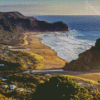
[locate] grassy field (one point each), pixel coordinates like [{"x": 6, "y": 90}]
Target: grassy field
[{"x": 91, "y": 76}]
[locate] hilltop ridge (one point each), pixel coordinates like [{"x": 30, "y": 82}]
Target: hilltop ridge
[{"x": 11, "y": 21}]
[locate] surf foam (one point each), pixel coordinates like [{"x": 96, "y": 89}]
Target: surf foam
[{"x": 67, "y": 45}]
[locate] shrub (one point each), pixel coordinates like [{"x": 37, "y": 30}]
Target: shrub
[
  {"x": 61, "y": 88},
  {"x": 98, "y": 81}
]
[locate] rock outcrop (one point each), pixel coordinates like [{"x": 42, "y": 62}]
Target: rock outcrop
[
  {"x": 15, "y": 21},
  {"x": 88, "y": 60}
]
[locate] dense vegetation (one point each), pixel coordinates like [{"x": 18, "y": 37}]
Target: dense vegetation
[
  {"x": 25, "y": 81},
  {"x": 2, "y": 97},
  {"x": 63, "y": 88},
  {"x": 24, "y": 78},
  {"x": 11, "y": 65},
  {"x": 54, "y": 88}
]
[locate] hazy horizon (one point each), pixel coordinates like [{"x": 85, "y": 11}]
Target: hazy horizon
[{"x": 53, "y": 7}]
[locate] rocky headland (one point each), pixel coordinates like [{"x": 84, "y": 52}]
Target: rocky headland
[
  {"x": 14, "y": 24},
  {"x": 11, "y": 21},
  {"x": 87, "y": 61}
]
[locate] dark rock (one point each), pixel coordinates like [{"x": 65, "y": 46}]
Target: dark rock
[
  {"x": 15, "y": 21},
  {"x": 97, "y": 45},
  {"x": 88, "y": 60}
]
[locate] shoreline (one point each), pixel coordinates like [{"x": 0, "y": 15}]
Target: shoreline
[
  {"x": 47, "y": 45},
  {"x": 51, "y": 60}
]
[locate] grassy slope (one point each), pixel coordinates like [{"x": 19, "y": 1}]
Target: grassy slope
[
  {"x": 92, "y": 76},
  {"x": 35, "y": 61}
]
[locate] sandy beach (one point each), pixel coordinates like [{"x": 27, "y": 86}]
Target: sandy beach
[{"x": 51, "y": 60}]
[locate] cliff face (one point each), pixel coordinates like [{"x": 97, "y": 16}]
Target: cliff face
[
  {"x": 88, "y": 60},
  {"x": 15, "y": 21}
]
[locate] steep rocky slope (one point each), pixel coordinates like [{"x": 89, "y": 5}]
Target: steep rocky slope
[
  {"x": 88, "y": 60},
  {"x": 12, "y": 24},
  {"x": 11, "y": 21}
]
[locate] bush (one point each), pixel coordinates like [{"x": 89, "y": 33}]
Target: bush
[
  {"x": 61, "y": 88},
  {"x": 24, "y": 78},
  {"x": 98, "y": 81}
]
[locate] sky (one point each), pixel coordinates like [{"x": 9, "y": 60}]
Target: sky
[{"x": 52, "y": 7}]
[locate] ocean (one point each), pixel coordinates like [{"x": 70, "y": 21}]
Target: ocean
[{"x": 82, "y": 35}]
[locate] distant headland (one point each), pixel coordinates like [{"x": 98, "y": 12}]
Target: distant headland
[
  {"x": 15, "y": 21},
  {"x": 12, "y": 24}
]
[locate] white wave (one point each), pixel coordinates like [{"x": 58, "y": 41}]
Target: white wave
[{"x": 66, "y": 44}]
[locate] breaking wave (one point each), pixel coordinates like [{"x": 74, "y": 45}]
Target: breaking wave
[{"x": 69, "y": 44}]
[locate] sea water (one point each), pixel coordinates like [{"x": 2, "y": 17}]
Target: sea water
[{"x": 82, "y": 35}]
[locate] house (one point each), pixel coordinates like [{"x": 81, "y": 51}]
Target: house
[
  {"x": 13, "y": 87},
  {"x": 20, "y": 89},
  {"x": 28, "y": 91},
  {"x": 47, "y": 75},
  {"x": 80, "y": 83},
  {"x": 93, "y": 91},
  {"x": 41, "y": 77},
  {"x": 3, "y": 79},
  {"x": 2, "y": 65},
  {"x": 12, "y": 38},
  {"x": 4, "y": 86}
]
